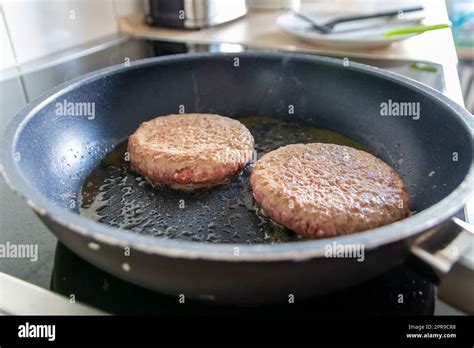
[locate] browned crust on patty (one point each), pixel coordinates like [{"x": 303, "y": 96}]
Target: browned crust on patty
[
  {"x": 190, "y": 150},
  {"x": 326, "y": 190}
]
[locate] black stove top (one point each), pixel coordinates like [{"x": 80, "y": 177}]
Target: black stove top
[{"x": 399, "y": 291}]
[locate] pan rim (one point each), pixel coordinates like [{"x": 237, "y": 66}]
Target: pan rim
[{"x": 292, "y": 251}]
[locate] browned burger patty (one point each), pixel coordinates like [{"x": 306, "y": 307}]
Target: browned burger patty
[
  {"x": 325, "y": 190},
  {"x": 190, "y": 150}
]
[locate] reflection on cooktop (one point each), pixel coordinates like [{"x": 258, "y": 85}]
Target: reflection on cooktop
[{"x": 397, "y": 292}]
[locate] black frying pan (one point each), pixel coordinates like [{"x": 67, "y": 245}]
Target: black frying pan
[{"x": 48, "y": 157}]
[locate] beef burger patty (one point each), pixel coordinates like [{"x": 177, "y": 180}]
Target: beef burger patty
[
  {"x": 326, "y": 190},
  {"x": 190, "y": 150}
]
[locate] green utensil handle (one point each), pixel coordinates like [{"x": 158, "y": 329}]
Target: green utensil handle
[{"x": 416, "y": 29}]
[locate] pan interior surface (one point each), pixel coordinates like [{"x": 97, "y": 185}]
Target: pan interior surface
[
  {"x": 113, "y": 194},
  {"x": 432, "y": 151}
]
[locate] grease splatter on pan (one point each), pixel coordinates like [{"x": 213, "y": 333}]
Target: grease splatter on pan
[{"x": 115, "y": 195}]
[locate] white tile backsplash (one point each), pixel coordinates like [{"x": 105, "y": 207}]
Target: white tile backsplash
[
  {"x": 39, "y": 27},
  {"x": 7, "y": 58}
]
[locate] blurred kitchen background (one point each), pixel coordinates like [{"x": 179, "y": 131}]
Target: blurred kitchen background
[{"x": 45, "y": 43}]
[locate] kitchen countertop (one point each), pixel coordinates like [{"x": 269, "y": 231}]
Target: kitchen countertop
[{"x": 258, "y": 29}]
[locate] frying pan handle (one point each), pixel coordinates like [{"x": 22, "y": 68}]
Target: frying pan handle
[{"x": 448, "y": 253}]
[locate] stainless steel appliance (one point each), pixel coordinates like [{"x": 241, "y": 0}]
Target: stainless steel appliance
[{"x": 193, "y": 14}]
